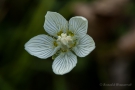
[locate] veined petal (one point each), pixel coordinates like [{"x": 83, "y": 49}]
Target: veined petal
[
  {"x": 78, "y": 25},
  {"x": 41, "y": 46},
  {"x": 64, "y": 63},
  {"x": 84, "y": 46},
  {"x": 54, "y": 23}
]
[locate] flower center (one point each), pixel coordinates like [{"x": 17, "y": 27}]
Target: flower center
[{"x": 64, "y": 39}]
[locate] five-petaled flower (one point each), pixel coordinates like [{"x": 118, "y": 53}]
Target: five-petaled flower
[{"x": 65, "y": 39}]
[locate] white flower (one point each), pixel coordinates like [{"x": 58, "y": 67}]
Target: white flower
[{"x": 65, "y": 39}]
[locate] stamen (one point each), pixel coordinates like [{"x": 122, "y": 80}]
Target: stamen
[
  {"x": 64, "y": 39},
  {"x": 55, "y": 44}
]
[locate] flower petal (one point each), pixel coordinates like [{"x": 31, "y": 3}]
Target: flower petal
[
  {"x": 78, "y": 25},
  {"x": 64, "y": 63},
  {"x": 41, "y": 46},
  {"x": 84, "y": 46},
  {"x": 54, "y": 23}
]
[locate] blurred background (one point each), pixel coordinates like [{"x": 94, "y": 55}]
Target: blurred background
[{"x": 111, "y": 66}]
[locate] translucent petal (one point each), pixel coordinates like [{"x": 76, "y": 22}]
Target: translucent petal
[
  {"x": 54, "y": 23},
  {"x": 64, "y": 63},
  {"x": 78, "y": 25},
  {"x": 84, "y": 46},
  {"x": 41, "y": 46}
]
